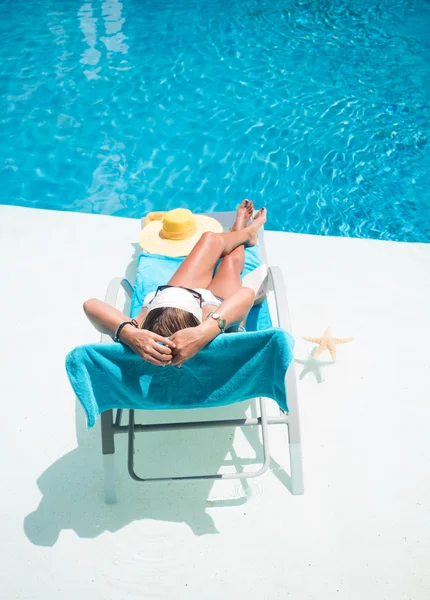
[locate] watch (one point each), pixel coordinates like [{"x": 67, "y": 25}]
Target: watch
[{"x": 221, "y": 322}]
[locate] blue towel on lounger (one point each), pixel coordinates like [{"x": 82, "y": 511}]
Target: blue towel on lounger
[
  {"x": 232, "y": 368},
  {"x": 155, "y": 269}
]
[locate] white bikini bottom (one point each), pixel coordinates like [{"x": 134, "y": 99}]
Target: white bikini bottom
[{"x": 208, "y": 298}]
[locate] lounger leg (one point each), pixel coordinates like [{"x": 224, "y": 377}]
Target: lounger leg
[
  {"x": 297, "y": 488},
  {"x": 294, "y": 439},
  {"x": 108, "y": 449}
]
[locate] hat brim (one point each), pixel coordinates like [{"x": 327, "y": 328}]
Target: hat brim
[{"x": 151, "y": 240}]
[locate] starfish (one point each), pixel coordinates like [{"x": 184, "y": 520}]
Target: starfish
[{"x": 327, "y": 342}]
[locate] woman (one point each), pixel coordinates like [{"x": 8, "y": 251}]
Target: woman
[{"x": 179, "y": 319}]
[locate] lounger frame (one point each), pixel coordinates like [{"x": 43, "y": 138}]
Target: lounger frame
[{"x": 111, "y": 421}]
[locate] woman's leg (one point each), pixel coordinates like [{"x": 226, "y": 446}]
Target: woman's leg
[
  {"x": 227, "y": 278},
  {"x": 197, "y": 269}
]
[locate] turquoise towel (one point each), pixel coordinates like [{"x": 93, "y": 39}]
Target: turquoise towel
[
  {"x": 232, "y": 368},
  {"x": 155, "y": 269}
]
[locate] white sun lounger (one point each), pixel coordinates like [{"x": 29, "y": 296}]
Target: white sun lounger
[{"x": 111, "y": 424}]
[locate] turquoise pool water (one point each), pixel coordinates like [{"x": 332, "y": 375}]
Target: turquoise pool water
[{"x": 319, "y": 110}]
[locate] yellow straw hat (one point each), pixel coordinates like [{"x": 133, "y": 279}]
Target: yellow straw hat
[{"x": 176, "y": 232}]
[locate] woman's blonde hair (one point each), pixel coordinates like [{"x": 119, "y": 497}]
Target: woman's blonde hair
[{"x": 167, "y": 321}]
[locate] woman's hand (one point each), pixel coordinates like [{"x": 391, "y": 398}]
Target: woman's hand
[
  {"x": 188, "y": 342},
  {"x": 145, "y": 344}
]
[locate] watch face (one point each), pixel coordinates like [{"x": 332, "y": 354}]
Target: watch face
[{"x": 215, "y": 316}]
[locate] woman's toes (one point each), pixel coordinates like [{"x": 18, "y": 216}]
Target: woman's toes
[
  {"x": 260, "y": 218},
  {"x": 249, "y": 206},
  {"x": 243, "y": 214}
]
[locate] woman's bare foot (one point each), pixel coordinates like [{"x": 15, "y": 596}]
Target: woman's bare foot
[
  {"x": 259, "y": 220},
  {"x": 245, "y": 211}
]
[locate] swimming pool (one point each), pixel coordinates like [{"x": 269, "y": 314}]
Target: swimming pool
[{"x": 319, "y": 110}]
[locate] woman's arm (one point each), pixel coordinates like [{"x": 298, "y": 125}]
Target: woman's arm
[
  {"x": 106, "y": 319},
  {"x": 191, "y": 340}
]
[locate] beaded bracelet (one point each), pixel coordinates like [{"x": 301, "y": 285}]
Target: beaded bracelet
[{"x": 120, "y": 327}]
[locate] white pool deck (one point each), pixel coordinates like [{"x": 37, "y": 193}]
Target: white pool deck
[{"x": 360, "y": 532}]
